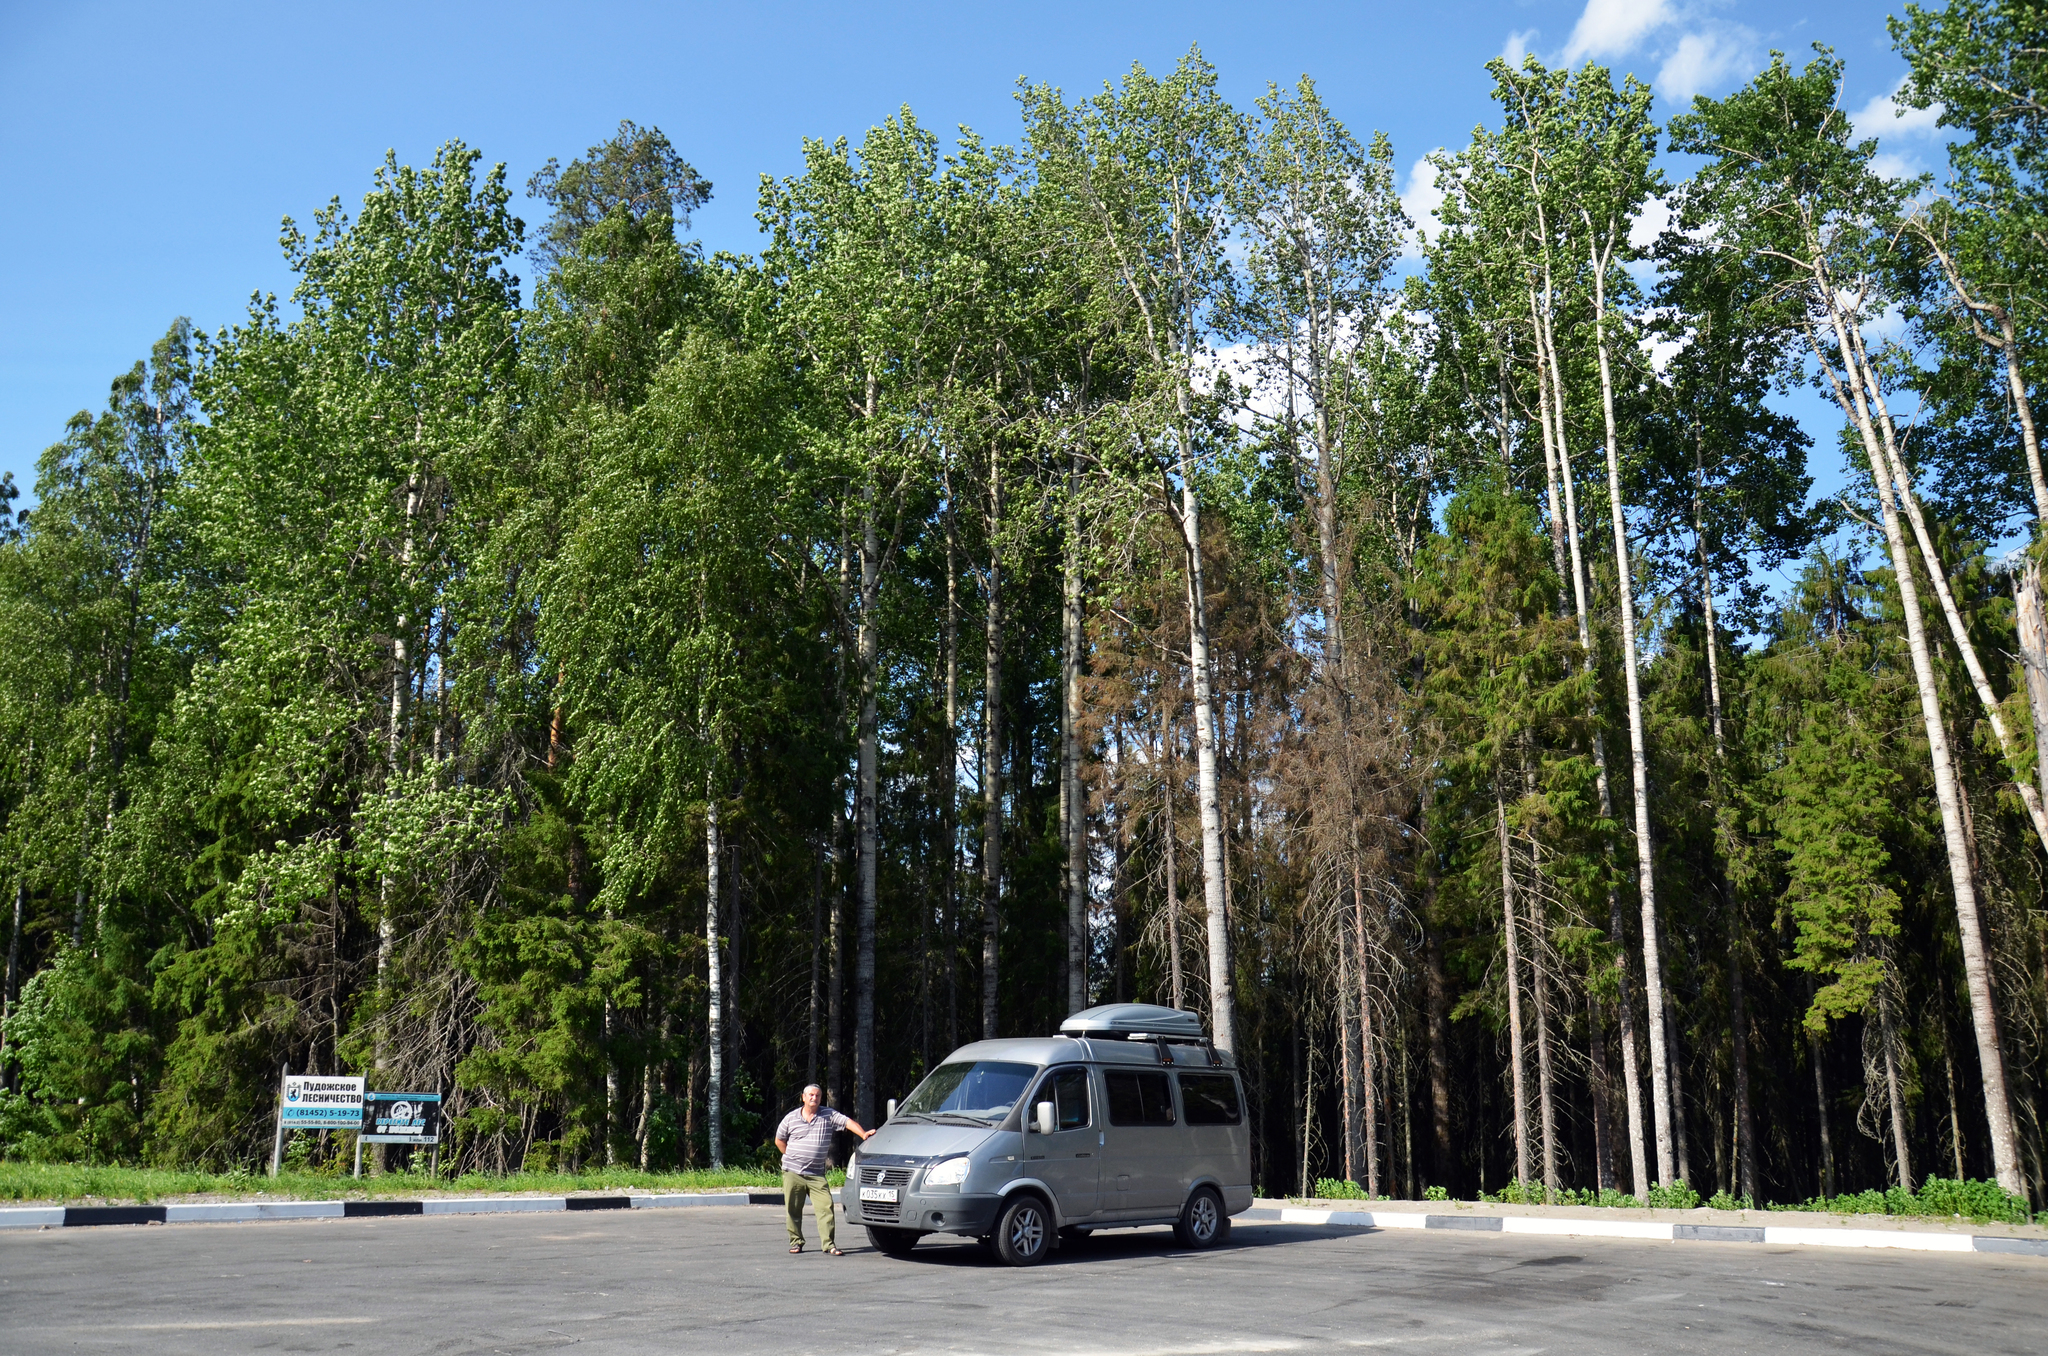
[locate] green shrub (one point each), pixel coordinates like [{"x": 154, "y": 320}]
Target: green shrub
[
  {"x": 1435, "y": 1194},
  {"x": 1938, "y": 1197},
  {"x": 1336, "y": 1189},
  {"x": 1674, "y": 1195}
]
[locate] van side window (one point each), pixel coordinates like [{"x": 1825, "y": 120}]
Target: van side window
[
  {"x": 1138, "y": 1097},
  {"x": 1067, "y": 1090},
  {"x": 1210, "y": 1099}
]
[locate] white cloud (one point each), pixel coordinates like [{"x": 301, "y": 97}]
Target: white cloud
[
  {"x": 1614, "y": 28},
  {"x": 1701, "y": 61},
  {"x": 1649, "y": 223},
  {"x": 1419, "y": 199},
  {"x": 1884, "y": 116},
  {"x": 1517, "y": 47}
]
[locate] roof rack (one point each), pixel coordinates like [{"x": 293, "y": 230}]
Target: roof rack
[{"x": 1137, "y": 1021}]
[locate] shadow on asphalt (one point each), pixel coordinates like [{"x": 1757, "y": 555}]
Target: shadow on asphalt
[{"x": 1117, "y": 1245}]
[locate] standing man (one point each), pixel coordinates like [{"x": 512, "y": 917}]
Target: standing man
[{"x": 805, "y": 1139}]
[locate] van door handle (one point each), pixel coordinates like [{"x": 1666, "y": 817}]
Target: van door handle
[{"x": 1084, "y": 1154}]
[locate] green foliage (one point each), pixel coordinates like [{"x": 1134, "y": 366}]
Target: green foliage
[
  {"x": 56, "y": 1182},
  {"x": 1435, "y": 1193},
  {"x": 1338, "y": 1189},
  {"x": 1938, "y": 1197}
]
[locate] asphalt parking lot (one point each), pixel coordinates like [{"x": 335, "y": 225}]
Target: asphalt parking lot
[{"x": 719, "y": 1280}]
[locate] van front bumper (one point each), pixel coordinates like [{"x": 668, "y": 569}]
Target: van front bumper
[{"x": 939, "y": 1212}]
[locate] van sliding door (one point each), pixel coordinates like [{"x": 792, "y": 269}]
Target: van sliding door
[{"x": 1143, "y": 1151}]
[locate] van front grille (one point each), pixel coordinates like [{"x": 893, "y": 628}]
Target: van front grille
[
  {"x": 884, "y": 1212},
  {"x": 885, "y": 1177}
]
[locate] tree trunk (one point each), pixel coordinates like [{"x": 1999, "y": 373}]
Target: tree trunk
[
  {"x": 1639, "y": 764},
  {"x": 1222, "y": 1006},
  {"x": 1969, "y": 927},
  {"x": 1516, "y": 1057},
  {"x": 1561, "y": 480},
  {"x": 817, "y": 949},
  {"x": 992, "y": 762},
  {"x": 1895, "y": 1094},
  {"x": 612, "y": 1115},
  {"x": 1955, "y": 1115},
  {"x": 1603, "y": 1095},
  {"x": 1074, "y": 798},
  {"x": 2033, "y": 638},
  {"x": 714, "y": 983},
  {"x": 1347, "y": 1054},
  {"x": 1681, "y": 1145},
  {"x": 1175, "y": 984},
  {"x": 1368, "y": 1062},
  {"x": 1544, "y": 1080},
  {"x": 949, "y": 918},
  {"x": 1738, "y": 1015},
  {"x": 867, "y": 804},
  {"x": 1436, "y": 988}
]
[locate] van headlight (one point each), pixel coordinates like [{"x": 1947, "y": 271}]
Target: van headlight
[{"x": 951, "y": 1172}]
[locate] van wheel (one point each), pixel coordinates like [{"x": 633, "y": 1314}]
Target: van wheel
[
  {"x": 1024, "y": 1232},
  {"x": 895, "y": 1242},
  {"x": 1202, "y": 1222}
]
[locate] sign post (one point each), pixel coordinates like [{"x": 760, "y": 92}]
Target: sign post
[
  {"x": 315, "y": 1102},
  {"x": 399, "y": 1118},
  {"x": 284, "y": 1072}
]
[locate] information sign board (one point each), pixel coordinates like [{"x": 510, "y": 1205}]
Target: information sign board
[
  {"x": 401, "y": 1118},
  {"x": 321, "y": 1102}
]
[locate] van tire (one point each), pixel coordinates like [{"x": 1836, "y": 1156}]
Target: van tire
[
  {"x": 1024, "y": 1231},
  {"x": 895, "y": 1242},
  {"x": 1202, "y": 1223}
]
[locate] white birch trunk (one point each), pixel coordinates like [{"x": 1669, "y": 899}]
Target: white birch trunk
[
  {"x": 714, "y": 983},
  {"x": 1639, "y": 764},
  {"x": 1074, "y": 799},
  {"x": 1969, "y": 926}
]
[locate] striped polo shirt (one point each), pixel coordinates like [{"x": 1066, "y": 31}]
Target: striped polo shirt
[{"x": 809, "y": 1141}]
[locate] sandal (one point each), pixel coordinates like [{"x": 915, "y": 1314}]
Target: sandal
[
  {"x": 834, "y": 1252},
  {"x": 795, "y": 1250}
]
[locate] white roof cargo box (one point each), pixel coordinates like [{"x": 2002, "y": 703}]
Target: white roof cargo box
[{"x": 1123, "y": 1021}]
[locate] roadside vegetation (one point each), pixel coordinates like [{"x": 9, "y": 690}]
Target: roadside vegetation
[
  {"x": 24, "y": 1183},
  {"x": 1937, "y": 1198}
]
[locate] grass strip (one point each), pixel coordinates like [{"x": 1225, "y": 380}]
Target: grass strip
[{"x": 55, "y": 1183}]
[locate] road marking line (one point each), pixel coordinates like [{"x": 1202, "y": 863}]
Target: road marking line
[{"x": 245, "y": 1323}]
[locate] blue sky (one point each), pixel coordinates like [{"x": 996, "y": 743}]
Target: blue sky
[{"x": 150, "y": 150}]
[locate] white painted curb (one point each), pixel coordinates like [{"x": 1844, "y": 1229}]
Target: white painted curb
[
  {"x": 1871, "y": 1238},
  {"x": 33, "y": 1217},
  {"x": 1917, "y": 1241},
  {"x": 1583, "y": 1228},
  {"x": 236, "y": 1214}
]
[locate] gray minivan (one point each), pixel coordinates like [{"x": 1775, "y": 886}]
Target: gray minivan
[{"x": 1128, "y": 1117}]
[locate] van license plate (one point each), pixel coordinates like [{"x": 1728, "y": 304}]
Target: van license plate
[{"x": 878, "y": 1194}]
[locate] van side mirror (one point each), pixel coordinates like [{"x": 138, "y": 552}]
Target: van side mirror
[
  {"x": 1044, "y": 1110},
  {"x": 889, "y": 1112}
]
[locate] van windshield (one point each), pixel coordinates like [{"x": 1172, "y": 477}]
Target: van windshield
[{"x": 983, "y": 1090}]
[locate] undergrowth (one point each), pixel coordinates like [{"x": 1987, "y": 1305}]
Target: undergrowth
[
  {"x": 1938, "y": 1198},
  {"x": 75, "y": 1182}
]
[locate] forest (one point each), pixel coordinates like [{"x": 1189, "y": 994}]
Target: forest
[{"x": 1134, "y": 562}]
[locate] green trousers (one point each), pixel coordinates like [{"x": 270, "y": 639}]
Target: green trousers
[{"x": 795, "y": 1186}]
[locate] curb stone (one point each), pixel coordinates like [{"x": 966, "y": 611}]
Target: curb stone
[
  {"x": 78, "y": 1216},
  {"x": 1693, "y": 1233}
]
